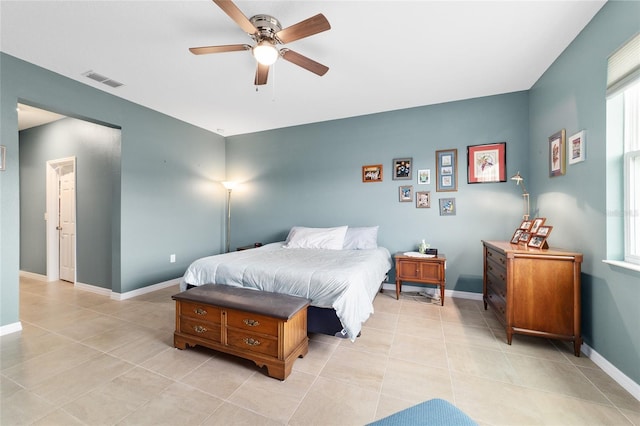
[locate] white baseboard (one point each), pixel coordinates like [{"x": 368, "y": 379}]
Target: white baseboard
[
  {"x": 447, "y": 293},
  {"x": 622, "y": 379},
  {"x": 10, "y": 328},
  {"x": 144, "y": 290},
  {"x": 93, "y": 289},
  {"x": 33, "y": 276}
]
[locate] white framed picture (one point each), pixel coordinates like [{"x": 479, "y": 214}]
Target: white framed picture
[
  {"x": 576, "y": 147},
  {"x": 424, "y": 177}
]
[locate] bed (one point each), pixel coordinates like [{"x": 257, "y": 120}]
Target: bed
[{"x": 340, "y": 280}]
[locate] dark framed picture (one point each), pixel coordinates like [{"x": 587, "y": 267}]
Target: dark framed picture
[
  {"x": 557, "y": 154},
  {"x": 544, "y": 231},
  {"x": 487, "y": 163},
  {"x": 525, "y": 236},
  {"x": 372, "y": 173},
  {"x": 537, "y": 223},
  {"x": 405, "y": 193},
  {"x": 516, "y": 236},
  {"x": 423, "y": 199},
  {"x": 447, "y": 170},
  {"x": 447, "y": 206},
  {"x": 536, "y": 241},
  {"x": 525, "y": 225},
  {"x": 402, "y": 168}
]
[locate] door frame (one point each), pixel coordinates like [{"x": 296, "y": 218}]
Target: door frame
[{"x": 51, "y": 216}]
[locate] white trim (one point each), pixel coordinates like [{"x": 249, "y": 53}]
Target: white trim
[
  {"x": 93, "y": 288},
  {"x": 447, "y": 293},
  {"x": 622, "y": 379},
  {"x": 623, "y": 264},
  {"x": 144, "y": 290},
  {"x": 10, "y": 328},
  {"x": 33, "y": 276}
]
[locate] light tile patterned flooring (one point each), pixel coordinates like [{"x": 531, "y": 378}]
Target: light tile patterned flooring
[{"x": 83, "y": 359}]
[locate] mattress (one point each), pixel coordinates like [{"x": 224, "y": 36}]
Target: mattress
[{"x": 344, "y": 280}]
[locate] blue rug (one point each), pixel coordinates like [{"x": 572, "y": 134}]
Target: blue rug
[{"x": 432, "y": 412}]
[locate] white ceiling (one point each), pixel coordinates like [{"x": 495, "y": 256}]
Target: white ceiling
[{"x": 382, "y": 55}]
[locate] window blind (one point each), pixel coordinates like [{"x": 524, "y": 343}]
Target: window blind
[{"x": 623, "y": 66}]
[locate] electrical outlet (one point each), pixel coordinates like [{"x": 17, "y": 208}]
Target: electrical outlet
[{"x": 172, "y": 258}]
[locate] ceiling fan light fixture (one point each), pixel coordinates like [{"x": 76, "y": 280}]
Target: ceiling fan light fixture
[{"x": 265, "y": 53}]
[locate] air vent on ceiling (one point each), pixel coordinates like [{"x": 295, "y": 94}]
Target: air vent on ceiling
[{"x": 102, "y": 79}]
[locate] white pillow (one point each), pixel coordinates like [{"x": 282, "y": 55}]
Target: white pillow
[
  {"x": 363, "y": 238},
  {"x": 316, "y": 238}
]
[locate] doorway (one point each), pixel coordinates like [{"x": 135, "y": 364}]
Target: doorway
[{"x": 61, "y": 219}]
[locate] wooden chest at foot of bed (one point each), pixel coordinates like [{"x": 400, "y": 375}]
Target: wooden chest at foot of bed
[{"x": 267, "y": 328}]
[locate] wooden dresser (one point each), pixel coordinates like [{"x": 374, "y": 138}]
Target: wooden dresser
[
  {"x": 426, "y": 270},
  {"x": 534, "y": 291},
  {"x": 268, "y": 328}
]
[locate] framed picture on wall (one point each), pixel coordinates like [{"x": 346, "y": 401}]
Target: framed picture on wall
[
  {"x": 487, "y": 163},
  {"x": 447, "y": 206},
  {"x": 423, "y": 199},
  {"x": 557, "y": 155},
  {"x": 405, "y": 193},
  {"x": 402, "y": 168},
  {"x": 424, "y": 177},
  {"x": 372, "y": 173},
  {"x": 3, "y": 154},
  {"x": 576, "y": 146},
  {"x": 447, "y": 170}
]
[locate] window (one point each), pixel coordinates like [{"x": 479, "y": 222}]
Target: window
[{"x": 623, "y": 152}]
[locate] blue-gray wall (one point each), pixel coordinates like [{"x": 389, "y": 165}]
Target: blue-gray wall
[
  {"x": 311, "y": 175},
  {"x": 169, "y": 200},
  {"x": 97, "y": 152},
  {"x": 571, "y": 95}
]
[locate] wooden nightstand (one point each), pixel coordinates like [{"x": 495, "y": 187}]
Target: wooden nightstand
[{"x": 426, "y": 270}]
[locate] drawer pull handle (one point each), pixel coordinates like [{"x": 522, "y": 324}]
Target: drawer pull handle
[
  {"x": 199, "y": 329},
  {"x": 250, "y": 341},
  {"x": 200, "y": 311},
  {"x": 251, "y": 323}
]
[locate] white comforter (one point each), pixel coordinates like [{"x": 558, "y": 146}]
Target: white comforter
[{"x": 345, "y": 280}]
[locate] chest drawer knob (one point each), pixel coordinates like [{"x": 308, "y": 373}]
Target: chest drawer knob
[
  {"x": 200, "y": 311},
  {"x": 251, "y": 323},
  {"x": 250, "y": 341},
  {"x": 199, "y": 329}
]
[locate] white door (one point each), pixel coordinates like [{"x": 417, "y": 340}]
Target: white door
[{"x": 67, "y": 224}]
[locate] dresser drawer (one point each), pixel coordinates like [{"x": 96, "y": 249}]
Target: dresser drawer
[
  {"x": 200, "y": 312},
  {"x": 497, "y": 285},
  {"x": 253, "y": 342},
  {"x": 205, "y": 330},
  {"x": 496, "y": 258},
  {"x": 498, "y": 303},
  {"x": 253, "y": 323}
]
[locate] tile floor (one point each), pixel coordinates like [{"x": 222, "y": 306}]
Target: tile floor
[{"x": 83, "y": 359}]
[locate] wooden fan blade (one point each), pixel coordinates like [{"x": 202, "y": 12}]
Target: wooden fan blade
[
  {"x": 219, "y": 49},
  {"x": 236, "y": 14},
  {"x": 262, "y": 73},
  {"x": 308, "y": 27},
  {"x": 304, "y": 62}
]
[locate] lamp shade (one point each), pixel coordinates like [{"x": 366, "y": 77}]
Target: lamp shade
[
  {"x": 229, "y": 184},
  {"x": 265, "y": 53}
]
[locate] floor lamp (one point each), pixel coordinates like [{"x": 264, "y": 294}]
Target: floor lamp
[
  {"x": 229, "y": 186},
  {"x": 525, "y": 195}
]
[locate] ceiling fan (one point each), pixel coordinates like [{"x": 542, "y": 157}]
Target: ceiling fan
[{"x": 266, "y": 32}]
